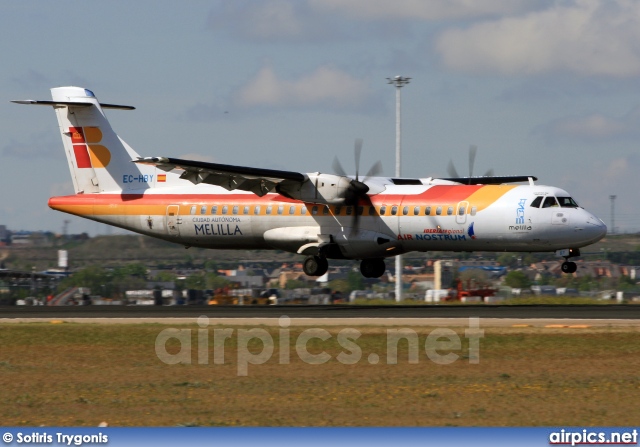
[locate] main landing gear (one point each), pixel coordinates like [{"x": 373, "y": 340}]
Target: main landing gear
[
  {"x": 569, "y": 266},
  {"x": 315, "y": 266},
  {"x": 318, "y": 266}
]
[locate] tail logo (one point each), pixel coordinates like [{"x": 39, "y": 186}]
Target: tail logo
[{"x": 89, "y": 154}]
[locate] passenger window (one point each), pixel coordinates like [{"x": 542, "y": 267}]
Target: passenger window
[
  {"x": 337, "y": 210},
  {"x": 292, "y": 210},
  {"x": 203, "y": 209},
  {"x": 269, "y": 209},
  {"x": 325, "y": 210},
  {"x": 280, "y": 209},
  {"x": 416, "y": 210},
  {"x": 536, "y": 202},
  {"x": 193, "y": 209},
  {"x": 225, "y": 209},
  {"x": 405, "y": 210},
  {"x": 461, "y": 211},
  {"x": 394, "y": 210},
  {"x": 474, "y": 209},
  {"x": 314, "y": 210},
  {"x": 372, "y": 211},
  {"x": 360, "y": 210},
  {"x": 214, "y": 209},
  {"x": 245, "y": 210},
  {"x": 427, "y": 211},
  {"x": 303, "y": 210},
  {"x": 383, "y": 210},
  {"x": 449, "y": 211},
  {"x": 438, "y": 211},
  {"x": 235, "y": 209},
  {"x": 549, "y": 202},
  {"x": 348, "y": 210},
  {"x": 256, "y": 210}
]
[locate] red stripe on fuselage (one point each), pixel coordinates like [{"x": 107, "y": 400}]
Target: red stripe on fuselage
[{"x": 435, "y": 194}]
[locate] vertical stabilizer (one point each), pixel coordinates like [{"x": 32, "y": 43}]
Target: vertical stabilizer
[{"x": 99, "y": 160}]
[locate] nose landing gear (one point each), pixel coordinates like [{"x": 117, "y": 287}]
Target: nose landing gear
[{"x": 569, "y": 266}]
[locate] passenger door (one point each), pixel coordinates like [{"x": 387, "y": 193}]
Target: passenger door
[{"x": 173, "y": 220}]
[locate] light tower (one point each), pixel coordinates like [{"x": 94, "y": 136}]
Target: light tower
[
  {"x": 399, "y": 82},
  {"x": 613, "y": 221}
]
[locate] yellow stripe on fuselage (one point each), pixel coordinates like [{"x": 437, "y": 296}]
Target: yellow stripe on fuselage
[{"x": 488, "y": 195}]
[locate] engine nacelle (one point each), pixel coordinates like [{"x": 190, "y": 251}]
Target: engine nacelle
[{"x": 318, "y": 188}]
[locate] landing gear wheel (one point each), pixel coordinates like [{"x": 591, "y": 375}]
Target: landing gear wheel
[
  {"x": 372, "y": 268},
  {"x": 315, "y": 266},
  {"x": 569, "y": 267}
]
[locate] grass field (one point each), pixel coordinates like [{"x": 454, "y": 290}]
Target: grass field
[{"x": 83, "y": 374}]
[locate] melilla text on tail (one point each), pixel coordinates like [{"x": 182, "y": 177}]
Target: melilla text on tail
[{"x": 319, "y": 215}]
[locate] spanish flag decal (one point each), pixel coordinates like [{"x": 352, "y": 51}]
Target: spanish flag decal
[{"x": 162, "y": 177}]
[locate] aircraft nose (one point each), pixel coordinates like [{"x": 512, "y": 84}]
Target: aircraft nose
[{"x": 595, "y": 228}]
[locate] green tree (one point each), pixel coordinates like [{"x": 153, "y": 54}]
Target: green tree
[
  {"x": 517, "y": 279},
  {"x": 165, "y": 276},
  {"x": 196, "y": 281},
  {"x": 214, "y": 281},
  {"x": 295, "y": 284},
  {"x": 355, "y": 280},
  {"x": 340, "y": 285},
  {"x": 94, "y": 277}
]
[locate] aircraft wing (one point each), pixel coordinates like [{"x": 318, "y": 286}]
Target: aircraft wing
[
  {"x": 491, "y": 180},
  {"x": 259, "y": 181}
]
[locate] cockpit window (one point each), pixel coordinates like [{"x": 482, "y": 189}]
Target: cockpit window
[
  {"x": 549, "y": 201},
  {"x": 537, "y": 201},
  {"x": 567, "y": 202}
]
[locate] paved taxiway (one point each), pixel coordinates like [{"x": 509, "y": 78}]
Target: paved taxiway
[{"x": 456, "y": 315}]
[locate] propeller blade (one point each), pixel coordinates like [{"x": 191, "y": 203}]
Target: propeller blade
[
  {"x": 451, "y": 169},
  {"x": 357, "y": 151},
  {"x": 473, "y": 149},
  {"x": 337, "y": 167},
  {"x": 375, "y": 170}
]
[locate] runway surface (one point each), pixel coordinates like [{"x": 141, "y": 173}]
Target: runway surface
[{"x": 580, "y": 312}]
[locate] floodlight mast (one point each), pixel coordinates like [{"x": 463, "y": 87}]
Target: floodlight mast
[{"x": 399, "y": 82}]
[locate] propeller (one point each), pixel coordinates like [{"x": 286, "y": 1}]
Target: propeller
[
  {"x": 473, "y": 149},
  {"x": 358, "y": 189}
]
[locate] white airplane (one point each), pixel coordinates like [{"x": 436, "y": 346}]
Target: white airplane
[{"x": 322, "y": 216}]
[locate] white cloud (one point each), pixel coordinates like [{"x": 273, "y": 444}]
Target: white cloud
[
  {"x": 421, "y": 9},
  {"x": 593, "y": 128},
  {"x": 269, "y": 20},
  {"x": 586, "y": 37},
  {"x": 324, "y": 87}
]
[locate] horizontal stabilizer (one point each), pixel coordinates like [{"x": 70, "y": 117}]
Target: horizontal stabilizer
[
  {"x": 72, "y": 103},
  {"x": 491, "y": 180}
]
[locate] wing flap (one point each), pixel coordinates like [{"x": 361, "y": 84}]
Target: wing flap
[{"x": 259, "y": 181}]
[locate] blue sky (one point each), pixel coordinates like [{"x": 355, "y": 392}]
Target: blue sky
[{"x": 545, "y": 88}]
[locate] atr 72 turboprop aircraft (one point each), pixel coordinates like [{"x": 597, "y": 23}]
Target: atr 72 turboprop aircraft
[{"x": 322, "y": 216}]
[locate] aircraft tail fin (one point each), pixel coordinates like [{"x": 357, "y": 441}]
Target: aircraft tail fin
[{"x": 99, "y": 160}]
